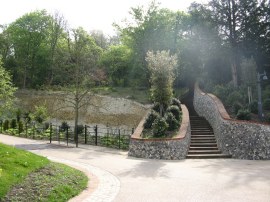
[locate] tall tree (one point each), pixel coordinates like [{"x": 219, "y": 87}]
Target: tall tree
[
  {"x": 28, "y": 35},
  {"x": 151, "y": 29},
  {"x": 83, "y": 55},
  {"x": 161, "y": 66}
]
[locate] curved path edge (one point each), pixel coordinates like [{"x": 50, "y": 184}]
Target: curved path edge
[{"x": 103, "y": 185}]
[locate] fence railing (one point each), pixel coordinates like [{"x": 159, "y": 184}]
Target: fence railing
[{"x": 117, "y": 138}]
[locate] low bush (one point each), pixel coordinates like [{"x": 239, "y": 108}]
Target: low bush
[
  {"x": 80, "y": 129},
  {"x": 20, "y": 126},
  {"x": 234, "y": 97},
  {"x": 176, "y": 102},
  {"x": 243, "y": 114},
  {"x": 150, "y": 119},
  {"x": 159, "y": 127},
  {"x": 13, "y": 123},
  {"x": 267, "y": 117},
  {"x": 64, "y": 126},
  {"x": 175, "y": 111},
  {"x": 173, "y": 123},
  {"x": 253, "y": 107},
  {"x": 266, "y": 104},
  {"x": 236, "y": 107},
  {"x": 6, "y": 125}
]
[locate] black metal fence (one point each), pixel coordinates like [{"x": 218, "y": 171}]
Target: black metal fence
[{"x": 117, "y": 138}]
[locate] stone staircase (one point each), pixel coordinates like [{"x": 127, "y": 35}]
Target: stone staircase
[{"x": 203, "y": 142}]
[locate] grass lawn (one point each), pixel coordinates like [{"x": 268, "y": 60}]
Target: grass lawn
[{"x": 28, "y": 177}]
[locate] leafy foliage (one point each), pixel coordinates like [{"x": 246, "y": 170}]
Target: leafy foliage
[
  {"x": 243, "y": 114},
  {"x": 175, "y": 111},
  {"x": 159, "y": 127},
  {"x": 150, "y": 119},
  {"x": 161, "y": 66},
  {"x": 173, "y": 123},
  {"x": 266, "y": 104},
  {"x": 6, "y": 89}
]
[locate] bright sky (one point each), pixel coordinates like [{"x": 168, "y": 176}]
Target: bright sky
[{"x": 89, "y": 14}]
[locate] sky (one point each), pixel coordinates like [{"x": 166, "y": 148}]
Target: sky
[{"x": 89, "y": 14}]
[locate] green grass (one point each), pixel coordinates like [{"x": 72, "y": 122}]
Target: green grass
[
  {"x": 28, "y": 177},
  {"x": 15, "y": 165}
]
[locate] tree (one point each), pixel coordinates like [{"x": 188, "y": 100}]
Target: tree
[
  {"x": 6, "y": 89},
  {"x": 57, "y": 25},
  {"x": 117, "y": 62},
  {"x": 29, "y": 48},
  {"x": 151, "y": 29},
  {"x": 161, "y": 66},
  {"x": 82, "y": 58},
  {"x": 243, "y": 25}
]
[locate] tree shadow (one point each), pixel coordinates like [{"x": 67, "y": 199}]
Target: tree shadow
[
  {"x": 147, "y": 168},
  {"x": 237, "y": 172}
]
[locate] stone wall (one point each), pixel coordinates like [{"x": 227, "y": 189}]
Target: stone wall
[
  {"x": 241, "y": 139},
  {"x": 162, "y": 148}
]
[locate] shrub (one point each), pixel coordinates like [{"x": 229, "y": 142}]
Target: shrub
[
  {"x": 27, "y": 117},
  {"x": 20, "y": 126},
  {"x": 173, "y": 124},
  {"x": 253, "y": 107},
  {"x": 222, "y": 92},
  {"x": 234, "y": 97},
  {"x": 159, "y": 127},
  {"x": 64, "y": 126},
  {"x": 266, "y": 104},
  {"x": 6, "y": 125},
  {"x": 13, "y": 123},
  {"x": 243, "y": 114},
  {"x": 236, "y": 107},
  {"x": 156, "y": 107},
  {"x": 46, "y": 125},
  {"x": 40, "y": 114},
  {"x": 175, "y": 111},
  {"x": 80, "y": 129},
  {"x": 150, "y": 119},
  {"x": 176, "y": 102},
  {"x": 267, "y": 118}
]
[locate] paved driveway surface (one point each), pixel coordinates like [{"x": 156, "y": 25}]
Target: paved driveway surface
[{"x": 158, "y": 180}]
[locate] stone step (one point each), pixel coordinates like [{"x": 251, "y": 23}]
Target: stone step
[
  {"x": 203, "y": 144},
  {"x": 207, "y": 156},
  {"x": 203, "y": 141},
  {"x": 203, "y": 148},
  {"x": 201, "y": 132},
  {"x": 204, "y": 152},
  {"x": 203, "y": 138}
]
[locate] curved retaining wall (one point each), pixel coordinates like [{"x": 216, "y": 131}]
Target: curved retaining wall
[
  {"x": 241, "y": 139},
  {"x": 162, "y": 148}
]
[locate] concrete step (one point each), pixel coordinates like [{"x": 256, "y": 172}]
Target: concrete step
[{"x": 203, "y": 141}]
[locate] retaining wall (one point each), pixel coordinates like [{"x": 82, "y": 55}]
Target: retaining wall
[
  {"x": 241, "y": 139},
  {"x": 162, "y": 148}
]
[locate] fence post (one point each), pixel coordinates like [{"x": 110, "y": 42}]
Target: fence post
[
  {"x": 96, "y": 131},
  {"x": 58, "y": 134},
  {"x": 50, "y": 132},
  {"x": 34, "y": 130},
  {"x": 67, "y": 135},
  {"x": 26, "y": 127},
  {"x": 1, "y": 125},
  {"x": 85, "y": 134},
  {"x": 119, "y": 137}
]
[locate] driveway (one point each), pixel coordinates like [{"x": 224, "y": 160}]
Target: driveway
[{"x": 132, "y": 179}]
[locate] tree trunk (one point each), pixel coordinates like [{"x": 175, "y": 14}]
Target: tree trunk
[
  {"x": 234, "y": 74},
  {"x": 76, "y": 138}
]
